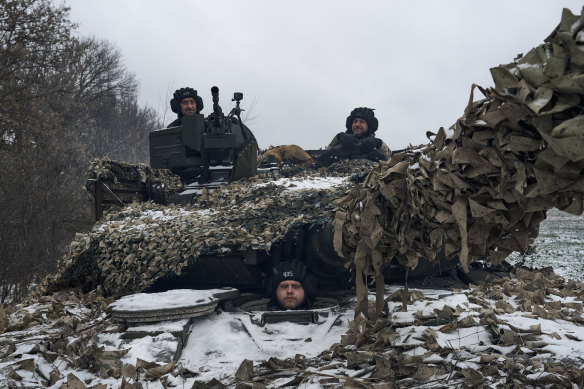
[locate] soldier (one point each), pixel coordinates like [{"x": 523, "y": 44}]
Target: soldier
[
  {"x": 185, "y": 102},
  {"x": 293, "y": 288},
  {"x": 358, "y": 141}
]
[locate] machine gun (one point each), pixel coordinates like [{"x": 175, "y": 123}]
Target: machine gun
[
  {"x": 207, "y": 152},
  {"x": 204, "y": 152},
  {"x": 217, "y": 111}
]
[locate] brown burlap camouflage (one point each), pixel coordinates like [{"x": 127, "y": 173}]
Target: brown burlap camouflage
[{"x": 480, "y": 189}]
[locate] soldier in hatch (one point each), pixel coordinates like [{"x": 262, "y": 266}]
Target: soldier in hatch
[
  {"x": 185, "y": 102},
  {"x": 293, "y": 288},
  {"x": 358, "y": 141}
]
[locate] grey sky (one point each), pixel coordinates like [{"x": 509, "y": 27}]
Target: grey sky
[{"x": 306, "y": 64}]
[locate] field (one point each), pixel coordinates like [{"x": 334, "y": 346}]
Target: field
[{"x": 560, "y": 244}]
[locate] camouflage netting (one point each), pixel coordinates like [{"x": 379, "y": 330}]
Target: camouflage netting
[
  {"x": 388, "y": 353},
  {"x": 162, "y": 181},
  {"x": 131, "y": 248},
  {"x": 481, "y": 189},
  {"x": 509, "y": 333},
  {"x": 511, "y": 157}
]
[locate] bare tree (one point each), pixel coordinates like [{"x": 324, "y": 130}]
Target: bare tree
[{"x": 63, "y": 102}]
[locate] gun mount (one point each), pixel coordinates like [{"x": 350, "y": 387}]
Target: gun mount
[{"x": 207, "y": 152}]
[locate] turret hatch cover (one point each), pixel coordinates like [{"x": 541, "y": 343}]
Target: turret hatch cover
[{"x": 170, "y": 305}]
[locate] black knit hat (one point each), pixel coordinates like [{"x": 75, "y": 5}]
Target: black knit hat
[
  {"x": 295, "y": 271},
  {"x": 183, "y": 93},
  {"x": 366, "y": 114}
]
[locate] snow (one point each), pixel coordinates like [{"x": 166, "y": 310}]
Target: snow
[
  {"x": 9, "y": 136},
  {"x": 560, "y": 244},
  {"x": 562, "y": 348},
  {"x": 464, "y": 338},
  {"x": 540, "y": 102},
  {"x": 238, "y": 338},
  {"x": 191, "y": 191},
  {"x": 151, "y": 348},
  {"x": 149, "y": 219},
  {"x": 166, "y": 300},
  {"x": 295, "y": 183},
  {"x": 308, "y": 183},
  {"x": 170, "y": 326},
  {"x": 218, "y": 343},
  {"x": 526, "y": 65}
]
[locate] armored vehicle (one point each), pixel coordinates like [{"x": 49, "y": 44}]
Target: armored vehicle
[
  {"x": 203, "y": 155},
  {"x": 479, "y": 189}
]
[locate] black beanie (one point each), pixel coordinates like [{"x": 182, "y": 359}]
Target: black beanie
[
  {"x": 295, "y": 271},
  {"x": 183, "y": 93},
  {"x": 366, "y": 114}
]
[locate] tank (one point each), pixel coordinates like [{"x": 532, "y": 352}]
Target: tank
[
  {"x": 199, "y": 165},
  {"x": 483, "y": 187}
]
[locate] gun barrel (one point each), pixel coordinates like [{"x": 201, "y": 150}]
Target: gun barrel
[{"x": 217, "y": 111}]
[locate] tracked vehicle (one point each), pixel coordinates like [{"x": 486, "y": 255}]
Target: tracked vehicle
[
  {"x": 208, "y": 153},
  {"x": 486, "y": 186}
]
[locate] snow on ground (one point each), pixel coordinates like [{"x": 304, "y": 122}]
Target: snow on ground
[{"x": 560, "y": 244}]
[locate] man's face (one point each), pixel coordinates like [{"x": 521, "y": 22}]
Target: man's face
[
  {"x": 290, "y": 294},
  {"x": 188, "y": 106},
  {"x": 359, "y": 126}
]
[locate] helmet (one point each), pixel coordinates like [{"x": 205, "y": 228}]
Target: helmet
[
  {"x": 183, "y": 93},
  {"x": 366, "y": 114}
]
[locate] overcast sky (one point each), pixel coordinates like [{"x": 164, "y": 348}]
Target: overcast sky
[{"x": 303, "y": 65}]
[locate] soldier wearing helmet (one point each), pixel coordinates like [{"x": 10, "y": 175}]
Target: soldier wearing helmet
[
  {"x": 359, "y": 138},
  {"x": 185, "y": 102}
]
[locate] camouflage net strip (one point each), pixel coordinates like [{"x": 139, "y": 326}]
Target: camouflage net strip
[{"x": 483, "y": 187}]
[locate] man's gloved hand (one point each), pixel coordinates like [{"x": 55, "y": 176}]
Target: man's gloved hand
[
  {"x": 346, "y": 140},
  {"x": 327, "y": 158},
  {"x": 369, "y": 143},
  {"x": 375, "y": 155}
]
